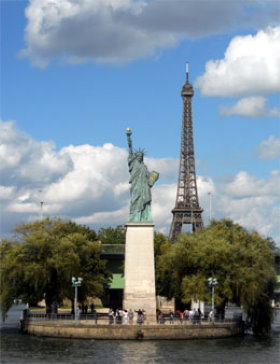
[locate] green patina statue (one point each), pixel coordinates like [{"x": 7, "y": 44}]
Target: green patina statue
[{"x": 141, "y": 181}]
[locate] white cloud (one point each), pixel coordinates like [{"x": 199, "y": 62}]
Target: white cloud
[
  {"x": 255, "y": 213},
  {"x": 251, "y": 65},
  {"x": 100, "y": 30},
  {"x": 269, "y": 149},
  {"x": 6, "y": 192},
  {"x": 167, "y": 167},
  {"x": 97, "y": 173},
  {"x": 87, "y": 183},
  {"x": 124, "y": 30},
  {"x": 107, "y": 218},
  {"x": 163, "y": 202},
  {"x": 252, "y": 202},
  {"x": 24, "y": 159},
  {"x": 92, "y": 187},
  {"x": 253, "y": 106},
  {"x": 246, "y": 186}
]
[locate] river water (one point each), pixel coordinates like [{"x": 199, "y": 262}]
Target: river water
[{"x": 17, "y": 348}]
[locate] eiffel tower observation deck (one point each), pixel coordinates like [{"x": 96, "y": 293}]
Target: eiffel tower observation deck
[{"x": 187, "y": 209}]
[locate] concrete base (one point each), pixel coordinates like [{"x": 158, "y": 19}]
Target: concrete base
[
  {"x": 139, "y": 288},
  {"x": 125, "y": 332}
]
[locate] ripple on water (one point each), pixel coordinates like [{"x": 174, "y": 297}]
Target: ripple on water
[{"x": 25, "y": 349}]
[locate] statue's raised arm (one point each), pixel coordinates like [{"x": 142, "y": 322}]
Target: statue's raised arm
[
  {"x": 141, "y": 182},
  {"x": 129, "y": 141}
]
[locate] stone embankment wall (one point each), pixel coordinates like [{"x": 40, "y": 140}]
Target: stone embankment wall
[
  {"x": 126, "y": 332},
  {"x": 14, "y": 316}
]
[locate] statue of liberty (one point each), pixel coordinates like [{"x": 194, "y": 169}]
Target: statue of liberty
[{"x": 141, "y": 181}]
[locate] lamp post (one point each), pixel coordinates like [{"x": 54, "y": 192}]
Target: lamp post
[
  {"x": 210, "y": 206},
  {"x": 41, "y": 209},
  {"x": 212, "y": 283},
  {"x": 76, "y": 282}
]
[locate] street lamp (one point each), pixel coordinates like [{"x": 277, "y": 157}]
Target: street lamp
[
  {"x": 212, "y": 283},
  {"x": 76, "y": 282},
  {"x": 41, "y": 209},
  {"x": 210, "y": 206}
]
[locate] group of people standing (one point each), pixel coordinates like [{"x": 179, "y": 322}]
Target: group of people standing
[
  {"x": 84, "y": 309},
  {"x": 193, "y": 316},
  {"x": 125, "y": 317},
  {"x": 128, "y": 317}
]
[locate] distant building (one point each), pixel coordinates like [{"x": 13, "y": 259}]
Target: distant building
[{"x": 114, "y": 254}]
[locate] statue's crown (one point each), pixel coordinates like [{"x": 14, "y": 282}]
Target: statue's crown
[{"x": 140, "y": 151}]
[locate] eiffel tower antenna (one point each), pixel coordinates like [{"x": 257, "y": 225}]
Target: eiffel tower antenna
[{"x": 187, "y": 209}]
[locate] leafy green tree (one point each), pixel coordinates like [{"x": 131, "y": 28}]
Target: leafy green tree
[
  {"x": 41, "y": 262},
  {"x": 112, "y": 235},
  {"x": 161, "y": 244},
  {"x": 240, "y": 260},
  {"x": 161, "y": 247}
]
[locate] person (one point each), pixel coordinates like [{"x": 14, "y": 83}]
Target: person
[
  {"x": 95, "y": 316},
  {"x": 199, "y": 315},
  {"x": 141, "y": 181},
  {"x": 196, "y": 316},
  {"x": 171, "y": 316},
  {"x": 158, "y": 312},
  {"x": 211, "y": 316},
  {"x": 86, "y": 309},
  {"x": 139, "y": 316},
  {"x": 161, "y": 319},
  {"x": 125, "y": 317},
  {"x": 111, "y": 316},
  {"x": 118, "y": 317},
  {"x": 79, "y": 312},
  {"x": 92, "y": 307},
  {"x": 130, "y": 316},
  {"x": 180, "y": 316},
  {"x": 143, "y": 314},
  {"x": 186, "y": 315},
  {"x": 191, "y": 316}
]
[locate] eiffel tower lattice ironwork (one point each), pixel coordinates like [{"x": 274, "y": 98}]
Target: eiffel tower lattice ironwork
[{"x": 187, "y": 209}]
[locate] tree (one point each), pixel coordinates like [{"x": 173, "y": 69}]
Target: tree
[
  {"x": 112, "y": 235},
  {"x": 40, "y": 263},
  {"x": 242, "y": 262}
]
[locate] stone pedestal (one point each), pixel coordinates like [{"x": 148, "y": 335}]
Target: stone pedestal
[{"x": 139, "y": 274}]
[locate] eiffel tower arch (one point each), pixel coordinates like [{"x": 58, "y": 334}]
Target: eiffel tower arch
[{"x": 187, "y": 209}]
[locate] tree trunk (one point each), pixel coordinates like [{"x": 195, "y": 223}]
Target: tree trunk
[
  {"x": 51, "y": 303},
  {"x": 221, "y": 310}
]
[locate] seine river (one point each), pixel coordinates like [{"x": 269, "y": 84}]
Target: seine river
[{"x": 24, "y": 349}]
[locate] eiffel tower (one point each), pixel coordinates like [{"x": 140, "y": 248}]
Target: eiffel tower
[{"x": 187, "y": 209}]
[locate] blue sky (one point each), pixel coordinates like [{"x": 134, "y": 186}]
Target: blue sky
[{"x": 75, "y": 74}]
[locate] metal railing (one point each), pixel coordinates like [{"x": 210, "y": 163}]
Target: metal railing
[{"x": 102, "y": 318}]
